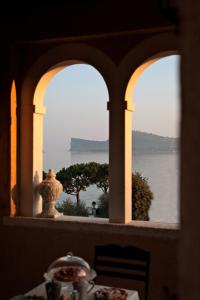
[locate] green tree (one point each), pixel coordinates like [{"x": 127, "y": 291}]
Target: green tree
[
  {"x": 141, "y": 199},
  {"x": 75, "y": 179},
  {"x": 91, "y": 170},
  {"x": 99, "y": 176},
  {"x": 102, "y": 179}
]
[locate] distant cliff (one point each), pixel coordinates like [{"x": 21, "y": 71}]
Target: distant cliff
[
  {"x": 88, "y": 145},
  {"x": 142, "y": 143}
]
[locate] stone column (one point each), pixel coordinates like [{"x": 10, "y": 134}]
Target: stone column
[
  {"x": 31, "y": 159},
  {"x": 120, "y": 161},
  {"x": 14, "y": 201}
]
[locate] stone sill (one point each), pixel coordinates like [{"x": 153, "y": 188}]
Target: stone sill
[{"x": 69, "y": 223}]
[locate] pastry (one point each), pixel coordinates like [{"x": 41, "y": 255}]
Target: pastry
[
  {"x": 70, "y": 273},
  {"x": 110, "y": 294}
]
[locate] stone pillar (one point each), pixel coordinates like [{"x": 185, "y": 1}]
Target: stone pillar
[
  {"x": 189, "y": 248},
  {"x": 5, "y": 164},
  {"x": 31, "y": 159},
  {"x": 120, "y": 162},
  {"x": 14, "y": 201}
]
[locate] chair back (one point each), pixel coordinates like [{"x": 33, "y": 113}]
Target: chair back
[{"x": 124, "y": 262}]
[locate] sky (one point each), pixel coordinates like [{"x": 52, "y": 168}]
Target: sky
[
  {"x": 156, "y": 98},
  {"x": 76, "y": 103}
]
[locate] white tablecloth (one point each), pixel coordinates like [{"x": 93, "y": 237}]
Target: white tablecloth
[{"x": 40, "y": 291}]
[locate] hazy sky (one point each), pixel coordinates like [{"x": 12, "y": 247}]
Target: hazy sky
[
  {"x": 156, "y": 98},
  {"x": 76, "y": 103}
]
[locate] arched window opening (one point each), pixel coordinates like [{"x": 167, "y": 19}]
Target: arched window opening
[
  {"x": 76, "y": 132},
  {"x": 156, "y": 139},
  {"x": 32, "y": 111}
]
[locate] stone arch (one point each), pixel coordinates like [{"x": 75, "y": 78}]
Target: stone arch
[
  {"x": 133, "y": 64},
  {"x": 32, "y": 110},
  {"x": 141, "y": 57}
]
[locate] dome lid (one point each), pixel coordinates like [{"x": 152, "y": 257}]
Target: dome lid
[{"x": 69, "y": 268}]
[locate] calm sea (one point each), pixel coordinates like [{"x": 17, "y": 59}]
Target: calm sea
[{"x": 160, "y": 169}]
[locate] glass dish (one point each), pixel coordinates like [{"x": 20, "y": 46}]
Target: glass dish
[{"x": 68, "y": 269}]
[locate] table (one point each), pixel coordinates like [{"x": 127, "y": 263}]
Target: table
[{"x": 40, "y": 291}]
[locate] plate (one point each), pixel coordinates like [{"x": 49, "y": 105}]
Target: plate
[{"x": 110, "y": 293}]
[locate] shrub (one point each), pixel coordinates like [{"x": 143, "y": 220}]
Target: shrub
[
  {"x": 102, "y": 210},
  {"x": 141, "y": 199},
  {"x": 69, "y": 208}
]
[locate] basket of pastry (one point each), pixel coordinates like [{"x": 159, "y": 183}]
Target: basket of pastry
[{"x": 111, "y": 293}]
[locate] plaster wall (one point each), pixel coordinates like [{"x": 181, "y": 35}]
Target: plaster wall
[
  {"x": 189, "y": 249},
  {"x": 28, "y": 251}
]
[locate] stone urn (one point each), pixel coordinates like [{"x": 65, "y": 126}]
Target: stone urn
[{"x": 50, "y": 189}]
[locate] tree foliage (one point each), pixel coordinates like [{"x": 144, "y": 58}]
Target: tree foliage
[
  {"x": 103, "y": 208},
  {"x": 74, "y": 179},
  {"x": 77, "y": 178},
  {"x": 100, "y": 177},
  {"x": 141, "y": 199}
]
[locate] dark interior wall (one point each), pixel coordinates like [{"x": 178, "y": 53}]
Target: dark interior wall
[
  {"x": 46, "y": 19},
  {"x": 27, "y": 252},
  {"x": 5, "y": 121},
  {"x": 189, "y": 248}
]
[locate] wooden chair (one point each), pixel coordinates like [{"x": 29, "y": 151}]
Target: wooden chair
[{"x": 123, "y": 262}]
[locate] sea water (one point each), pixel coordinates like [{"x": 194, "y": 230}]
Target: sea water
[{"x": 161, "y": 170}]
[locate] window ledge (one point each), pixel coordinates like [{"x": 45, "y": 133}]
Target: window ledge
[{"x": 142, "y": 228}]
